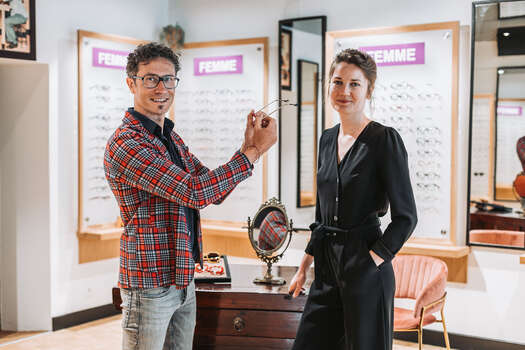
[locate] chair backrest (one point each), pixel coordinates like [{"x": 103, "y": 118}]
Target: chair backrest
[
  {"x": 422, "y": 278},
  {"x": 501, "y": 237}
]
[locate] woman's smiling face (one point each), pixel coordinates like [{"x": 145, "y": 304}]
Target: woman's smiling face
[{"x": 348, "y": 90}]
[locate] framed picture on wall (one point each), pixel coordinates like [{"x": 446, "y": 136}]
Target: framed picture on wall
[
  {"x": 17, "y": 26},
  {"x": 285, "y": 59}
]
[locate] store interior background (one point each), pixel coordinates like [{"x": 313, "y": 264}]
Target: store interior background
[{"x": 41, "y": 278}]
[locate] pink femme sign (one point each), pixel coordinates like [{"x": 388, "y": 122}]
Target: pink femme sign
[
  {"x": 106, "y": 58},
  {"x": 515, "y": 111},
  {"x": 217, "y": 65},
  {"x": 396, "y": 55}
]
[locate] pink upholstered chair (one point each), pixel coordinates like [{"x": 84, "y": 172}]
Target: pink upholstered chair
[
  {"x": 498, "y": 237},
  {"x": 423, "y": 279}
]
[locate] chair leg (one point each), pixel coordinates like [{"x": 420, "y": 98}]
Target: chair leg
[
  {"x": 445, "y": 334},
  {"x": 420, "y": 338}
]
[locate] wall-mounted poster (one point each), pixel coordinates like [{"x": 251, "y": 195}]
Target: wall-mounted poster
[
  {"x": 285, "y": 59},
  {"x": 17, "y": 26},
  {"x": 220, "y": 82},
  {"x": 416, "y": 94},
  {"x": 103, "y": 98}
]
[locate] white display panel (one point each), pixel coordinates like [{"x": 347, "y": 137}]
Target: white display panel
[
  {"x": 416, "y": 94},
  {"x": 211, "y": 109},
  {"x": 103, "y": 99}
]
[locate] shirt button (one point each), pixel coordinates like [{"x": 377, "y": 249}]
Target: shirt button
[
  {"x": 335, "y": 218},
  {"x": 337, "y": 199}
]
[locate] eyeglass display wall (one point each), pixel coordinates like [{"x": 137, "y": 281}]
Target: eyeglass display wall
[
  {"x": 103, "y": 97},
  {"x": 415, "y": 93},
  {"x": 220, "y": 82}
]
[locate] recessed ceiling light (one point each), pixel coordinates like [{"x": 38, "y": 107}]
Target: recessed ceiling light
[
  {"x": 506, "y": 33},
  {"x": 501, "y": 71}
]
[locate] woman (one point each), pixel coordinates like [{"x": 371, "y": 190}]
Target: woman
[{"x": 362, "y": 168}]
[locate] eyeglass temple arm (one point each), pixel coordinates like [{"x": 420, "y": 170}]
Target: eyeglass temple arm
[
  {"x": 276, "y": 100},
  {"x": 285, "y": 104}
]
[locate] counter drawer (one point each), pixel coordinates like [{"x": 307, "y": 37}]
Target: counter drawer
[{"x": 248, "y": 323}]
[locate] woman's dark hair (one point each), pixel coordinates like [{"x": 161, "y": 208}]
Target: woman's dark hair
[
  {"x": 360, "y": 59},
  {"x": 144, "y": 53}
]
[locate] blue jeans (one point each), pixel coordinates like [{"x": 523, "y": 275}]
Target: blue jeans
[
  {"x": 10, "y": 22},
  {"x": 158, "y": 318}
]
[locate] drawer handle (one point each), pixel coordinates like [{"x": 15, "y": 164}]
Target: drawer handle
[{"x": 238, "y": 324}]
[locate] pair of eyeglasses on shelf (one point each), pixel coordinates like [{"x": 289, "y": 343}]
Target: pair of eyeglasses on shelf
[
  {"x": 104, "y": 197},
  {"x": 402, "y": 85},
  {"x": 100, "y": 87},
  {"x": 212, "y": 257}
]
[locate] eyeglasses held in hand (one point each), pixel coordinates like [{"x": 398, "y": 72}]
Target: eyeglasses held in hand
[
  {"x": 282, "y": 103},
  {"x": 151, "y": 81}
]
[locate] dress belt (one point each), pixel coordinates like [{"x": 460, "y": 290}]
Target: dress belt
[{"x": 320, "y": 233}]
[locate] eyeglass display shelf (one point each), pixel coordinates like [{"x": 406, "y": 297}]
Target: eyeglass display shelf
[
  {"x": 112, "y": 231},
  {"x": 102, "y": 232},
  {"x": 435, "y": 249}
]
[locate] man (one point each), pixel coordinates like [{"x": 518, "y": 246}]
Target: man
[
  {"x": 18, "y": 15},
  {"x": 160, "y": 187}
]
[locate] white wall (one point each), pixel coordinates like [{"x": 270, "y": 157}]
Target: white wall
[
  {"x": 24, "y": 184},
  {"x": 77, "y": 287},
  {"x": 489, "y": 305}
]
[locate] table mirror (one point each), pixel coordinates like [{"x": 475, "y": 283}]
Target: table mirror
[{"x": 270, "y": 233}]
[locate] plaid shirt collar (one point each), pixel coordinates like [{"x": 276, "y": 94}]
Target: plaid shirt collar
[
  {"x": 148, "y": 127},
  {"x": 151, "y": 126}
]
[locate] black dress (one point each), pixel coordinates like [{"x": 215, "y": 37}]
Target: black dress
[{"x": 350, "y": 303}]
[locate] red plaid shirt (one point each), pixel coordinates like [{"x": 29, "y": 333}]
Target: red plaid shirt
[{"x": 151, "y": 192}]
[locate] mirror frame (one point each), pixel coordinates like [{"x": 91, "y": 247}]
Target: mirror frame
[
  {"x": 316, "y": 112},
  {"x": 471, "y": 103},
  {"x": 322, "y": 74}
]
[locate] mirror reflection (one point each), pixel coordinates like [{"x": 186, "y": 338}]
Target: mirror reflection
[
  {"x": 510, "y": 126},
  {"x": 270, "y": 229},
  {"x": 301, "y": 48},
  {"x": 497, "y": 183},
  {"x": 307, "y": 133}
]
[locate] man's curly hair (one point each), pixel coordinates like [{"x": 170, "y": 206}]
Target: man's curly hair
[{"x": 144, "y": 53}]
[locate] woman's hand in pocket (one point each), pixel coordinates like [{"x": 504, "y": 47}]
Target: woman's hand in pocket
[{"x": 377, "y": 259}]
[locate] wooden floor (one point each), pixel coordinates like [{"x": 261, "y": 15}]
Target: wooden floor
[
  {"x": 96, "y": 335},
  {"x": 9, "y": 336}
]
